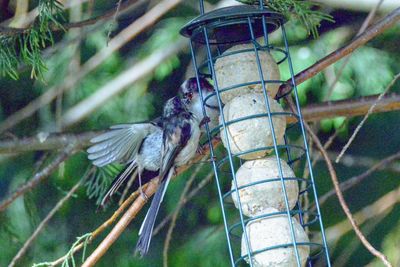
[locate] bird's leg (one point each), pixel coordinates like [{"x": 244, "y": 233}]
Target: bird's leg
[
  {"x": 205, "y": 120},
  {"x": 142, "y": 193}
]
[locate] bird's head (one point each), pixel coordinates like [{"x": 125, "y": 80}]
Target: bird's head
[
  {"x": 189, "y": 89},
  {"x": 173, "y": 106}
]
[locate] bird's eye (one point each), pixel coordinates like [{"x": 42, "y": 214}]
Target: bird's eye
[{"x": 188, "y": 95}]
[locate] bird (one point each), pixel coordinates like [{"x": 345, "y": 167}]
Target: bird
[
  {"x": 191, "y": 96},
  {"x": 136, "y": 145},
  {"x": 181, "y": 134}
]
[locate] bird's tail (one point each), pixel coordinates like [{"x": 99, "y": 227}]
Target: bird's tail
[
  {"x": 146, "y": 230},
  {"x": 128, "y": 171}
]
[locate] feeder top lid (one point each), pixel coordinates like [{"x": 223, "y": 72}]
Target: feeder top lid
[{"x": 229, "y": 19}]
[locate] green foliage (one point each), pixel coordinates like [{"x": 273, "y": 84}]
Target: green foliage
[
  {"x": 99, "y": 181},
  {"x": 303, "y": 11},
  {"x": 8, "y": 57},
  {"x": 70, "y": 256},
  {"x": 30, "y": 42}
]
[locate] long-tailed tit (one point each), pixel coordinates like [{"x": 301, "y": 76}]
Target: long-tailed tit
[
  {"x": 136, "y": 145},
  {"x": 191, "y": 96},
  {"x": 181, "y": 135}
]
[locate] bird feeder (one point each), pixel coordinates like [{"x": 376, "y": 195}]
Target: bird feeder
[{"x": 265, "y": 223}]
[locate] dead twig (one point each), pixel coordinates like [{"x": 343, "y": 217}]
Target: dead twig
[
  {"x": 39, "y": 177},
  {"x": 370, "y": 110}
]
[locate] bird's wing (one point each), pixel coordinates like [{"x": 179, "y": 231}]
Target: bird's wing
[{"x": 119, "y": 144}]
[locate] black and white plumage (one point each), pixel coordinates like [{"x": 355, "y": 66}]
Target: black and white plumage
[
  {"x": 136, "y": 145},
  {"x": 181, "y": 135},
  {"x": 191, "y": 96}
]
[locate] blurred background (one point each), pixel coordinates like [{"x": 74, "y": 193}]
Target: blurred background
[{"x": 122, "y": 70}]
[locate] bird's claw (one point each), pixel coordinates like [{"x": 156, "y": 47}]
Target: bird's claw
[{"x": 143, "y": 194}]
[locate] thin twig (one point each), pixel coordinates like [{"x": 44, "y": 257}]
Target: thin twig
[
  {"x": 177, "y": 210},
  {"x": 39, "y": 177},
  {"x": 339, "y": 193},
  {"x": 346, "y": 185},
  {"x": 43, "y": 223},
  {"x": 113, "y": 21},
  {"x": 363, "y": 27},
  {"x": 370, "y": 110}
]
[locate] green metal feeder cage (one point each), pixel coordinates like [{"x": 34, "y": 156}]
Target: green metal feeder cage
[{"x": 238, "y": 32}]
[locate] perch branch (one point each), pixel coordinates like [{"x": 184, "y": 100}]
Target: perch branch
[
  {"x": 39, "y": 177},
  {"x": 102, "y": 227},
  {"x": 132, "y": 212},
  {"x": 333, "y": 57}
]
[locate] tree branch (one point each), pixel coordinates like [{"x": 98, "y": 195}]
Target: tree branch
[
  {"x": 45, "y": 141},
  {"x": 333, "y": 57},
  {"x": 129, "y": 4},
  {"x": 39, "y": 177},
  {"x": 314, "y": 112},
  {"x": 131, "y": 213}
]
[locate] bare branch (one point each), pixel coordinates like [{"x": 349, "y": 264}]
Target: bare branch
[
  {"x": 39, "y": 177},
  {"x": 381, "y": 206},
  {"x": 101, "y": 228},
  {"x": 45, "y": 141}
]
